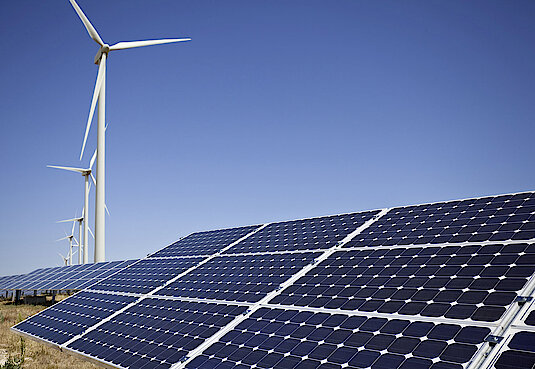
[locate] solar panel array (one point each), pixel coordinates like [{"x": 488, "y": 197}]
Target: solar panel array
[
  {"x": 444, "y": 286},
  {"x": 73, "y": 277}
]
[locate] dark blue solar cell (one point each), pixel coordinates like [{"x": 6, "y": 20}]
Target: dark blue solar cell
[
  {"x": 458, "y": 353},
  {"x": 404, "y": 345},
  {"x": 512, "y": 359},
  {"x": 395, "y": 326},
  {"x": 342, "y": 355},
  {"x": 524, "y": 341},
  {"x": 430, "y": 349},
  {"x": 472, "y": 335},
  {"x": 388, "y": 361},
  {"x": 444, "y": 332},
  {"x": 364, "y": 359},
  {"x": 373, "y": 324},
  {"x": 380, "y": 342},
  {"x": 358, "y": 339}
]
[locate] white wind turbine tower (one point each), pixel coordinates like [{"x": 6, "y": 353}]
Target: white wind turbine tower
[
  {"x": 86, "y": 173},
  {"x": 99, "y": 94}
]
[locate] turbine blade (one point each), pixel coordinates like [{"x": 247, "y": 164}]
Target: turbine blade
[
  {"x": 96, "y": 93},
  {"x": 91, "y": 232},
  {"x": 67, "y": 220},
  {"x": 132, "y": 44},
  {"x": 107, "y": 211},
  {"x": 94, "y": 180},
  {"x": 72, "y": 230},
  {"x": 93, "y": 160},
  {"x": 71, "y": 169},
  {"x": 88, "y": 26},
  {"x": 61, "y": 239}
]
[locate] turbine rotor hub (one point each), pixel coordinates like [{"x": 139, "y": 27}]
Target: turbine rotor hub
[{"x": 104, "y": 49}]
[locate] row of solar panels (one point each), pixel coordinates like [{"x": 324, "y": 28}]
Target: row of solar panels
[
  {"x": 379, "y": 289},
  {"x": 74, "y": 277}
]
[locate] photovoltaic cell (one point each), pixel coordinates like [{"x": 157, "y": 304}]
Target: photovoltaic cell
[
  {"x": 145, "y": 275},
  {"x": 276, "y": 338},
  {"x": 238, "y": 278},
  {"x": 305, "y": 234},
  {"x": 155, "y": 333},
  {"x": 461, "y": 282},
  {"x": 72, "y": 316},
  {"x": 506, "y": 217},
  {"x": 204, "y": 243}
]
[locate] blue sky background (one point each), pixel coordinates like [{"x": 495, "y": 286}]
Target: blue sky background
[{"x": 276, "y": 110}]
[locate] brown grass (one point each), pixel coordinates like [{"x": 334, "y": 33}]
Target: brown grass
[{"x": 38, "y": 355}]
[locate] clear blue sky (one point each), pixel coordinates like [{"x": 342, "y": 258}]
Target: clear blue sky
[{"x": 276, "y": 110}]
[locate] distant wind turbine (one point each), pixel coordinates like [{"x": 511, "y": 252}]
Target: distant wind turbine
[
  {"x": 70, "y": 238},
  {"x": 81, "y": 247},
  {"x": 99, "y": 94},
  {"x": 86, "y": 173},
  {"x": 65, "y": 259}
]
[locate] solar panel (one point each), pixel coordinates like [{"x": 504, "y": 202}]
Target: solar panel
[
  {"x": 74, "y": 277},
  {"x": 239, "y": 278},
  {"x": 475, "y": 282},
  {"x": 505, "y": 217},
  {"x": 304, "y": 234},
  {"x": 204, "y": 243},
  {"x": 442, "y": 286},
  {"x": 155, "y": 333},
  {"x": 303, "y": 339},
  {"x": 145, "y": 275},
  {"x": 72, "y": 316}
]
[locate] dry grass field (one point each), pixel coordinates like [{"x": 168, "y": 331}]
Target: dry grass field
[{"x": 37, "y": 355}]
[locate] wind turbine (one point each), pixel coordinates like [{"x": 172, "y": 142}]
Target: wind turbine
[
  {"x": 65, "y": 259},
  {"x": 99, "y": 94},
  {"x": 81, "y": 248},
  {"x": 70, "y": 238},
  {"x": 86, "y": 173}
]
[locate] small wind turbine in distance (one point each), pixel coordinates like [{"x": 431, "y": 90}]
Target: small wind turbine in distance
[
  {"x": 86, "y": 173},
  {"x": 65, "y": 259},
  {"x": 81, "y": 247},
  {"x": 70, "y": 238},
  {"x": 99, "y": 94}
]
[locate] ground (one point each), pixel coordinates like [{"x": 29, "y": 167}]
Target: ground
[{"x": 37, "y": 355}]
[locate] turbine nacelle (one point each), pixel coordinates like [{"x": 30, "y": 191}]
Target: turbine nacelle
[{"x": 104, "y": 49}]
